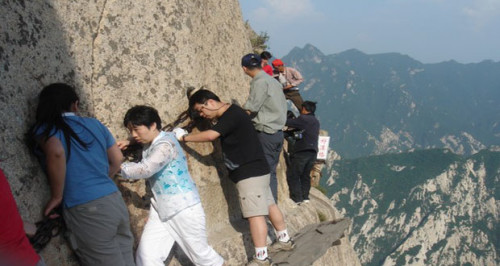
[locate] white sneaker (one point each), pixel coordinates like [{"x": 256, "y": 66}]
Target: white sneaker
[
  {"x": 279, "y": 246},
  {"x": 257, "y": 262}
]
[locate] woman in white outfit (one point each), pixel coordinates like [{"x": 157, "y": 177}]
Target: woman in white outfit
[{"x": 176, "y": 214}]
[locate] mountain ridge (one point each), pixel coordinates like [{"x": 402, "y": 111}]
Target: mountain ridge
[
  {"x": 373, "y": 104},
  {"x": 309, "y": 46},
  {"x": 421, "y": 207},
  {"x": 417, "y": 154}
]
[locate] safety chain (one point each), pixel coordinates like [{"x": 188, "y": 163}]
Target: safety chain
[{"x": 47, "y": 229}]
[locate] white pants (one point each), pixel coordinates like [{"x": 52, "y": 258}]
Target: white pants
[{"x": 187, "y": 228}]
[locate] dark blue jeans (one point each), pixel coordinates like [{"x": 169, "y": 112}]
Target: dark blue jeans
[
  {"x": 299, "y": 174},
  {"x": 272, "y": 145}
]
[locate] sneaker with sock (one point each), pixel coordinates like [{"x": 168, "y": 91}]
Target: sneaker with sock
[
  {"x": 257, "y": 262},
  {"x": 279, "y": 246}
]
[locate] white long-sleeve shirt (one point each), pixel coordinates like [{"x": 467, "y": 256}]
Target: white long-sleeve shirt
[{"x": 164, "y": 165}]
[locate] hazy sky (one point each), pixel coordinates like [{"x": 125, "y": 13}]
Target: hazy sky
[{"x": 429, "y": 31}]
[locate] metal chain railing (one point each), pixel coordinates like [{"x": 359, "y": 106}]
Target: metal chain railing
[{"x": 46, "y": 229}]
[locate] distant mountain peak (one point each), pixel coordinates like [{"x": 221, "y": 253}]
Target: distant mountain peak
[
  {"x": 389, "y": 102},
  {"x": 313, "y": 49},
  {"x": 308, "y": 53}
]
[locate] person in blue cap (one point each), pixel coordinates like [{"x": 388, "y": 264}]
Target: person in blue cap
[{"x": 266, "y": 104}]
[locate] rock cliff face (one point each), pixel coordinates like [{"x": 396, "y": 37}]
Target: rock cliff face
[{"x": 122, "y": 53}]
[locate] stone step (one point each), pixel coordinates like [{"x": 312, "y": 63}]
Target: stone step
[{"x": 312, "y": 242}]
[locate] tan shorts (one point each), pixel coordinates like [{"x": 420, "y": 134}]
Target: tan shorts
[{"x": 255, "y": 196}]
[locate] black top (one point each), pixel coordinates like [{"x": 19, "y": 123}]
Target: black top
[
  {"x": 310, "y": 125},
  {"x": 243, "y": 154}
]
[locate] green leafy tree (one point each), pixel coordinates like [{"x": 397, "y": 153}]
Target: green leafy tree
[{"x": 259, "y": 42}]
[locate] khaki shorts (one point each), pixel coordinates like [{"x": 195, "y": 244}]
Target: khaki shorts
[{"x": 255, "y": 196}]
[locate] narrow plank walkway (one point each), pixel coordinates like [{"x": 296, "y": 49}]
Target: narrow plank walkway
[{"x": 311, "y": 243}]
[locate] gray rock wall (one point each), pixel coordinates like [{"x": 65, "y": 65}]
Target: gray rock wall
[{"x": 118, "y": 54}]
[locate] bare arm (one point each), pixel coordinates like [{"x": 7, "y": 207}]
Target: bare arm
[
  {"x": 115, "y": 159},
  {"x": 207, "y": 135},
  {"x": 56, "y": 171}
]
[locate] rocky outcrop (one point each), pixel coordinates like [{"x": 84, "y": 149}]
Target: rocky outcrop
[
  {"x": 311, "y": 242},
  {"x": 428, "y": 207},
  {"x": 122, "y": 53}
]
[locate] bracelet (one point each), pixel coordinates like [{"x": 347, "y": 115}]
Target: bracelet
[{"x": 184, "y": 137}]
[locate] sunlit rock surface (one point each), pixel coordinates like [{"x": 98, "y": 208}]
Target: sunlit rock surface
[{"x": 118, "y": 54}]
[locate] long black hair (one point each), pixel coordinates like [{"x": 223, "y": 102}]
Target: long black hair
[{"x": 53, "y": 101}]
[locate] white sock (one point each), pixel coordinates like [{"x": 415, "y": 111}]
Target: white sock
[
  {"x": 283, "y": 235},
  {"x": 261, "y": 253}
]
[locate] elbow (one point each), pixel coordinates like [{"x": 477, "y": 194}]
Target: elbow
[
  {"x": 114, "y": 167},
  {"x": 115, "y": 157},
  {"x": 211, "y": 138},
  {"x": 115, "y": 164},
  {"x": 56, "y": 155},
  {"x": 212, "y": 135}
]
